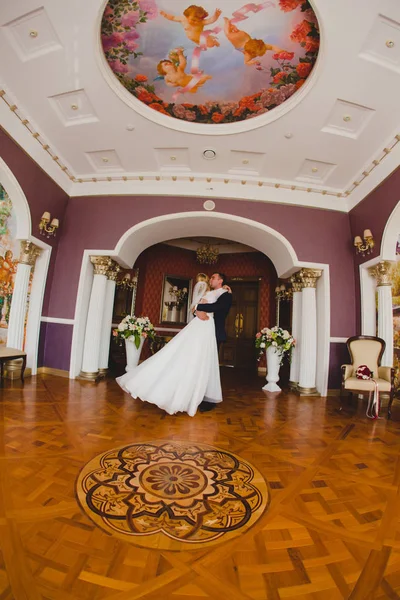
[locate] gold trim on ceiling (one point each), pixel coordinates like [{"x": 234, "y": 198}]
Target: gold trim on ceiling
[{"x": 39, "y": 138}]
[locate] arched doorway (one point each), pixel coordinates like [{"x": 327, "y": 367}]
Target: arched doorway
[
  {"x": 23, "y": 232},
  {"x": 213, "y": 224}
]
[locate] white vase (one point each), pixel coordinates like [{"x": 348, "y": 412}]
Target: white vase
[
  {"x": 132, "y": 354},
  {"x": 274, "y": 357}
]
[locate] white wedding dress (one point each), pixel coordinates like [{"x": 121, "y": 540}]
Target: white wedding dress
[{"x": 183, "y": 373}]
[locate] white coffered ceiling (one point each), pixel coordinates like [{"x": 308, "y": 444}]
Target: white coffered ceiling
[{"x": 327, "y": 146}]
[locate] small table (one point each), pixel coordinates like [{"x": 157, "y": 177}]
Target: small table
[{"x": 11, "y": 354}]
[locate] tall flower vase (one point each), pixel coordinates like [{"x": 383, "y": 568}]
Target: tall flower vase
[
  {"x": 274, "y": 357},
  {"x": 132, "y": 354}
]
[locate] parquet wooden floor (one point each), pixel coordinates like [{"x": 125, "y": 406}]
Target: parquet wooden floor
[{"x": 332, "y": 529}]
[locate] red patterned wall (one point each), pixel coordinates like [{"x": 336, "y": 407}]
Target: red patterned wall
[{"x": 160, "y": 260}]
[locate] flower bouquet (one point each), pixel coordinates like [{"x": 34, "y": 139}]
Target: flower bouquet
[
  {"x": 278, "y": 338},
  {"x": 134, "y": 329}
]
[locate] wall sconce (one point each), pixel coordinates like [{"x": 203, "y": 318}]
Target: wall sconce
[
  {"x": 127, "y": 282},
  {"x": 46, "y": 229},
  {"x": 281, "y": 293},
  {"x": 367, "y": 246}
]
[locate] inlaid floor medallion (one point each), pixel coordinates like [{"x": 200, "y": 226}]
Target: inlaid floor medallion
[{"x": 172, "y": 494}]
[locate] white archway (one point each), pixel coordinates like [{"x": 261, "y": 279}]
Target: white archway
[
  {"x": 24, "y": 232},
  {"x": 248, "y": 232},
  {"x": 390, "y": 235},
  {"x": 367, "y": 282},
  {"x": 251, "y": 233}
]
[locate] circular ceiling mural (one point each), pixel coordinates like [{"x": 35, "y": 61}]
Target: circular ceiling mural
[
  {"x": 204, "y": 64},
  {"x": 172, "y": 494}
]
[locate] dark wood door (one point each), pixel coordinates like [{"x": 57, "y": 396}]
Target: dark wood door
[{"x": 241, "y": 326}]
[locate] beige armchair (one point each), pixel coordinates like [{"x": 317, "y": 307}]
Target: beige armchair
[{"x": 367, "y": 350}]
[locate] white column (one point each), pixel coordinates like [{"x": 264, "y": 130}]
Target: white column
[
  {"x": 107, "y": 317},
  {"x": 91, "y": 347},
  {"x": 383, "y": 275},
  {"x": 308, "y": 342},
  {"x": 296, "y": 332},
  {"x": 15, "y": 336}
]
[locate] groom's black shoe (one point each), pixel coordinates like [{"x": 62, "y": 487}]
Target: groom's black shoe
[{"x": 206, "y": 406}]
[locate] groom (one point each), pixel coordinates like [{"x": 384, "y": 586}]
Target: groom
[{"x": 220, "y": 308}]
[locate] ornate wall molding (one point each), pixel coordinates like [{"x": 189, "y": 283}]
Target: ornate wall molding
[
  {"x": 309, "y": 277},
  {"x": 101, "y": 264},
  {"x": 29, "y": 253},
  {"x": 5, "y": 97},
  {"x": 383, "y": 273}
]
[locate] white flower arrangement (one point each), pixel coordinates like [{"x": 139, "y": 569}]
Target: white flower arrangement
[
  {"x": 134, "y": 328},
  {"x": 277, "y": 337}
]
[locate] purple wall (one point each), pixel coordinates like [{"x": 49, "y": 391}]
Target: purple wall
[
  {"x": 42, "y": 193},
  {"x": 98, "y": 223},
  {"x": 373, "y": 213},
  {"x": 316, "y": 235},
  {"x": 55, "y": 345},
  {"x": 339, "y": 355}
]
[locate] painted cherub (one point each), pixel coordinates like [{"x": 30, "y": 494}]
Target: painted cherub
[
  {"x": 175, "y": 76},
  {"x": 194, "y": 20},
  {"x": 243, "y": 42}
]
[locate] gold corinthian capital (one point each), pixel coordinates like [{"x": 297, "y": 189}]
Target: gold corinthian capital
[
  {"x": 101, "y": 264},
  {"x": 28, "y": 253},
  {"x": 308, "y": 277},
  {"x": 114, "y": 269},
  {"x": 296, "y": 282},
  {"x": 383, "y": 273}
]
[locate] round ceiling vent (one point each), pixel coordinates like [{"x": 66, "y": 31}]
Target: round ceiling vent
[
  {"x": 209, "y": 205},
  {"x": 209, "y": 154}
]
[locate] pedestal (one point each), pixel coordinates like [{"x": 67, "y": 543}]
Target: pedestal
[
  {"x": 133, "y": 353},
  {"x": 273, "y": 365}
]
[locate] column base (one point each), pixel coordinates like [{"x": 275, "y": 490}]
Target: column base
[
  {"x": 304, "y": 391},
  {"x": 293, "y": 385},
  {"x": 88, "y": 376},
  {"x": 103, "y": 372}
]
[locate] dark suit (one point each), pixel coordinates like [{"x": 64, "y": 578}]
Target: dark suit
[{"x": 220, "y": 308}]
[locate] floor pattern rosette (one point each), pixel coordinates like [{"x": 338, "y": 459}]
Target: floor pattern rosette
[{"x": 172, "y": 494}]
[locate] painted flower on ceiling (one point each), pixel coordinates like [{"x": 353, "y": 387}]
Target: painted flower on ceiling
[{"x": 204, "y": 64}]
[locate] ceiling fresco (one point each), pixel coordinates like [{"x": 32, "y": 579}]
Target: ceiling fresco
[{"x": 210, "y": 64}]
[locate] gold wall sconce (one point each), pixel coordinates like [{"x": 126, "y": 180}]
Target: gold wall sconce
[
  {"x": 365, "y": 244},
  {"x": 44, "y": 227},
  {"x": 283, "y": 293},
  {"x": 127, "y": 282}
]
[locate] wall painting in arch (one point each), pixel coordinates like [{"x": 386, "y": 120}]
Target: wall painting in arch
[
  {"x": 9, "y": 249},
  {"x": 213, "y": 62}
]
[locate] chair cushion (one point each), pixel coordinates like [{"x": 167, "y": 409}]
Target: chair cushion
[
  {"x": 365, "y": 385},
  {"x": 10, "y": 352}
]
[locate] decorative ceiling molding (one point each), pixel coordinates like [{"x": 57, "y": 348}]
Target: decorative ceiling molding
[{"x": 162, "y": 178}]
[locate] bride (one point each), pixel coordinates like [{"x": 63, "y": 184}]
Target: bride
[{"x": 185, "y": 371}]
